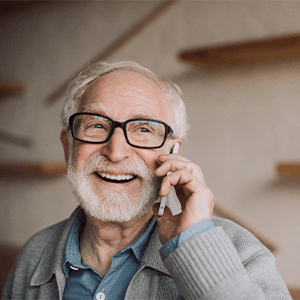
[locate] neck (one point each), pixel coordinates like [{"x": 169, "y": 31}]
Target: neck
[{"x": 100, "y": 241}]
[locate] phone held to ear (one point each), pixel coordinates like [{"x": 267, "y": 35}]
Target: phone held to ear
[{"x": 163, "y": 200}]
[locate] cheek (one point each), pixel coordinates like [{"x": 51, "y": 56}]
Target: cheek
[
  {"x": 150, "y": 158},
  {"x": 82, "y": 152},
  {"x": 152, "y": 165}
]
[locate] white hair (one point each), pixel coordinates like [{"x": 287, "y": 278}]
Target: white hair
[{"x": 172, "y": 92}]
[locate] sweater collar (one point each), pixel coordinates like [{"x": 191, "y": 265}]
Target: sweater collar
[
  {"x": 152, "y": 257},
  {"x": 51, "y": 261}
]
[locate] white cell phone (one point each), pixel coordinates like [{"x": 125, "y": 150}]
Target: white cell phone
[{"x": 163, "y": 200}]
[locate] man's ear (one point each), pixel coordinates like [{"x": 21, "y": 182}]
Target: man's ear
[{"x": 65, "y": 143}]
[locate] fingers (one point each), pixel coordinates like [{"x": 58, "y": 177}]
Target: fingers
[
  {"x": 186, "y": 177},
  {"x": 173, "y": 162},
  {"x": 195, "y": 197},
  {"x": 179, "y": 177}
]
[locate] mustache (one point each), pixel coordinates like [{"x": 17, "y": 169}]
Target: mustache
[{"x": 132, "y": 165}]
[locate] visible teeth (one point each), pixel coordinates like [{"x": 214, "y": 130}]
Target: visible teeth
[{"x": 116, "y": 177}]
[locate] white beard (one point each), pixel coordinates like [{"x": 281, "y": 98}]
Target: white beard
[{"x": 107, "y": 205}]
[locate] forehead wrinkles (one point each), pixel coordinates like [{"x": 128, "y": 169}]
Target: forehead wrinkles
[{"x": 127, "y": 86}]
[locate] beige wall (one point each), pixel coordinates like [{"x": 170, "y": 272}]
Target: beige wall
[{"x": 243, "y": 120}]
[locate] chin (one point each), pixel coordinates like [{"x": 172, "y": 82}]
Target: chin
[
  {"x": 114, "y": 207},
  {"x": 114, "y": 213}
]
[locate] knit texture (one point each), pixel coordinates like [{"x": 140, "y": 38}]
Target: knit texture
[{"x": 226, "y": 262}]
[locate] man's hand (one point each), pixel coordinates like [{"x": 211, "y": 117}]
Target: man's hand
[{"x": 195, "y": 197}]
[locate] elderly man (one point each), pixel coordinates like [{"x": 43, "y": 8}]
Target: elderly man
[{"x": 120, "y": 124}]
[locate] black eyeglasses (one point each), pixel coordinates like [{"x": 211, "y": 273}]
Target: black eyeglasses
[{"x": 140, "y": 133}]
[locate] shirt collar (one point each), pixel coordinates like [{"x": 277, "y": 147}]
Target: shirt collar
[{"x": 72, "y": 251}]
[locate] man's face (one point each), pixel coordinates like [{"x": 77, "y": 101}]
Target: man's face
[{"x": 114, "y": 181}]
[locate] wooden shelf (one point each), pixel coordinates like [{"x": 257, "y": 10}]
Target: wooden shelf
[
  {"x": 11, "y": 87},
  {"x": 288, "y": 169},
  {"x": 26, "y": 169},
  {"x": 257, "y": 51}
]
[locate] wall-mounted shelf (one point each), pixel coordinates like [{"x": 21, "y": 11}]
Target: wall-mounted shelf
[
  {"x": 11, "y": 87},
  {"x": 288, "y": 169},
  {"x": 26, "y": 169},
  {"x": 256, "y": 51}
]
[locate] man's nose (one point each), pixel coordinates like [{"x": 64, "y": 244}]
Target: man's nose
[{"x": 116, "y": 148}]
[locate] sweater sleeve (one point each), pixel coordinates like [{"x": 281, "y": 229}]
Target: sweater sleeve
[
  {"x": 187, "y": 234},
  {"x": 209, "y": 266}
]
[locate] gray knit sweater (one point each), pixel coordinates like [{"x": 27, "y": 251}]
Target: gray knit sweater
[{"x": 226, "y": 262}]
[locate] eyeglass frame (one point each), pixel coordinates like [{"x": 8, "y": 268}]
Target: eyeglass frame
[{"x": 122, "y": 125}]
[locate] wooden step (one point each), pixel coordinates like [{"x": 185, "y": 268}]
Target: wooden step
[
  {"x": 28, "y": 169},
  {"x": 11, "y": 87},
  {"x": 255, "y": 51},
  {"x": 288, "y": 169}
]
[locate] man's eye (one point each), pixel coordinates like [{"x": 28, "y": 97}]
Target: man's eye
[
  {"x": 143, "y": 129},
  {"x": 96, "y": 126}
]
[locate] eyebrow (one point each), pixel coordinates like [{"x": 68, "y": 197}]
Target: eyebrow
[
  {"x": 90, "y": 109},
  {"x": 144, "y": 116},
  {"x": 103, "y": 111}
]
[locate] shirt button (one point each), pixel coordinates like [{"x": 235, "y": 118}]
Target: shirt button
[
  {"x": 100, "y": 296},
  {"x": 73, "y": 268}
]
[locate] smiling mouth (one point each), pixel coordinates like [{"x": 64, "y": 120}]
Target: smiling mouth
[{"x": 116, "y": 178}]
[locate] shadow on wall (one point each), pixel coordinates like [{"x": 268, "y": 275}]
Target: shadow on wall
[{"x": 8, "y": 255}]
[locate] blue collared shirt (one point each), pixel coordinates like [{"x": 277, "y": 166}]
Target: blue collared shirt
[{"x": 84, "y": 282}]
